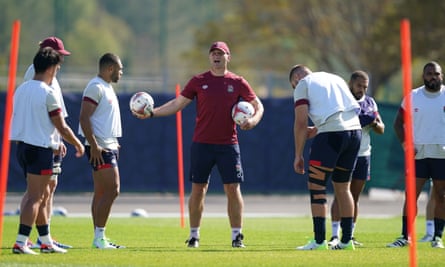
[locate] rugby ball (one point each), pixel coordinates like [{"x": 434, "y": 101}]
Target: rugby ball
[
  {"x": 141, "y": 103},
  {"x": 242, "y": 111}
]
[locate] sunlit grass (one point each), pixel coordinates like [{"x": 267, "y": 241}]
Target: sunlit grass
[{"x": 269, "y": 241}]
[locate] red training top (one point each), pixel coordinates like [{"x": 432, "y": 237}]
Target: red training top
[{"x": 215, "y": 97}]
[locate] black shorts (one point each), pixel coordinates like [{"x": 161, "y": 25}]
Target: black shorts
[
  {"x": 362, "y": 170},
  {"x": 336, "y": 149},
  {"x": 34, "y": 159},
  {"x": 430, "y": 168},
  {"x": 227, "y": 158},
  {"x": 110, "y": 158}
]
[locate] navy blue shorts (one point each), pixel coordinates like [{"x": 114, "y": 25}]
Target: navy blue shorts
[
  {"x": 227, "y": 158},
  {"x": 430, "y": 168},
  {"x": 335, "y": 149},
  {"x": 362, "y": 169},
  {"x": 34, "y": 159},
  {"x": 110, "y": 158}
]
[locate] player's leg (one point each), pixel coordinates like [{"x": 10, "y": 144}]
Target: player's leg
[
  {"x": 438, "y": 176},
  {"x": 196, "y": 208},
  {"x": 322, "y": 160},
  {"x": 335, "y": 223},
  {"x": 429, "y": 216},
  {"x": 349, "y": 144},
  {"x": 235, "y": 207},
  {"x": 37, "y": 163},
  {"x": 106, "y": 182},
  {"x": 422, "y": 170},
  {"x": 201, "y": 164},
  {"x": 342, "y": 192},
  {"x": 228, "y": 162},
  {"x": 360, "y": 175},
  {"x": 106, "y": 190}
]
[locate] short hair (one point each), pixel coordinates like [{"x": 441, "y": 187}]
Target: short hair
[
  {"x": 431, "y": 64},
  {"x": 359, "y": 74},
  {"x": 107, "y": 60},
  {"x": 45, "y": 58},
  {"x": 296, "y": 69}
]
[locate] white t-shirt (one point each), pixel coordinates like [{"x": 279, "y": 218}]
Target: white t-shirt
[
  {"x": 332, "y": 106},
  {"x": 29, "y": 75},
  {"x": 31, "y": 122},
  {"x": 106, "y": 119},
  {"x": 428, "y": 116}
]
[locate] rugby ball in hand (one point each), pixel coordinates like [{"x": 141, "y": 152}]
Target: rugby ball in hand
[
  {"x": 141, "y": 103},
  {"x": 242, "y": 111}
]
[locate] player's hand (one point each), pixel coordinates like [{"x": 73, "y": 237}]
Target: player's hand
[
  {"x": 61, "y": 151},
  {"x": 80, "y": 150},
  {"x": 299, "y": 164},
  {"x": 140, "y": 116},
  {"x": 247, "y": 124},
  {"x": 96, "y": 158},
  {"x": 311, "y": 132}
]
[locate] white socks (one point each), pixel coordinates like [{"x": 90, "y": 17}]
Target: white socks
[
  {"x": 99, "y": 232},
  {"x": 194, "y": 232}
]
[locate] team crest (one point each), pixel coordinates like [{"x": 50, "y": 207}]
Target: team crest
[
  {"x": 230, "y": 88},
  {"x": 205, "y": 86}
]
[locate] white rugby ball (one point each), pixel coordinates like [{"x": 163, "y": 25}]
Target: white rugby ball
[
  {"x": 142, "y": 103},
  {"x": 242, "y": 111}
]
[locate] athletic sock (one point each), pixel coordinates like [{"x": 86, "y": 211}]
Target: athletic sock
[
  {"x": 353, "y": 229},
  {"x": 235, "y": 232},
  {"x": 23, "y": 234},
  {"x": 439, "y": 224},
  {"x": 335, "y": 228},
  {"x": 346, "y": 229},
  {"x": 429, "y": 227},
  {"x": 405, "y": 227},
  {"x": 319, "y": 229},
  {"x": 194, "y": 232},
  {"x": 99, "y": 232}
]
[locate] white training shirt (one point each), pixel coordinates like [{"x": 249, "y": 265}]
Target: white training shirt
[
  {"x": 106, "y": 119},
  {"x": 29, "y": 75},
  {"x": 428, "y": 116},
  {"x": 31, "y": 123},
  {"x": 332, "y": 107}
]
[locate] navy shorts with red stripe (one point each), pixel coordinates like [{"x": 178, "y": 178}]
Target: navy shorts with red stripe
[
  {"x": 34, "y": 159},
  {"x": 110, "y": 158},
  {"x": 336, "y": 149}
]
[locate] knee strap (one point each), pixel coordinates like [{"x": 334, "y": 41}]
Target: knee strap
[
  {"x": 318, "y": 176},
  {"x": 318, "y": 196}
]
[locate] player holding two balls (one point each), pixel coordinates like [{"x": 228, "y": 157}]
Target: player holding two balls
[{"x": 215, "y": 139}]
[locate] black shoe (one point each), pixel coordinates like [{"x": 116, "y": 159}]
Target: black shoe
[
  {"x": 192, "y": 242},
  {"x": 238, "y": 242}
]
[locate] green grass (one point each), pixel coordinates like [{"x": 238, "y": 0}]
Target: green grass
[{"x": 269, "y": 241}]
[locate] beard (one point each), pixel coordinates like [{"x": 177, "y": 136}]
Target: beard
[{"x": 433, "y": 85}]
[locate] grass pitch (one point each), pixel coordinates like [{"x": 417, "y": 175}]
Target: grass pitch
[{"x": 269, "y": 242}]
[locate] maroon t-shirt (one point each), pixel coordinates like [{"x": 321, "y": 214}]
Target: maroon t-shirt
[{"x": 215, "y": 97}]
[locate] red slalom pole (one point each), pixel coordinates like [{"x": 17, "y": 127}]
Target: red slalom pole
[
  {"x": 409, "y": 147},
  {"x": 180, "y": 160},
  {"x": 4, "y": 165}
]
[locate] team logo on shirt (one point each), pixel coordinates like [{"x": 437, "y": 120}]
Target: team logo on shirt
[
  {"x": 205, "y": 86},
  {"x": 230, "y": 88}
]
